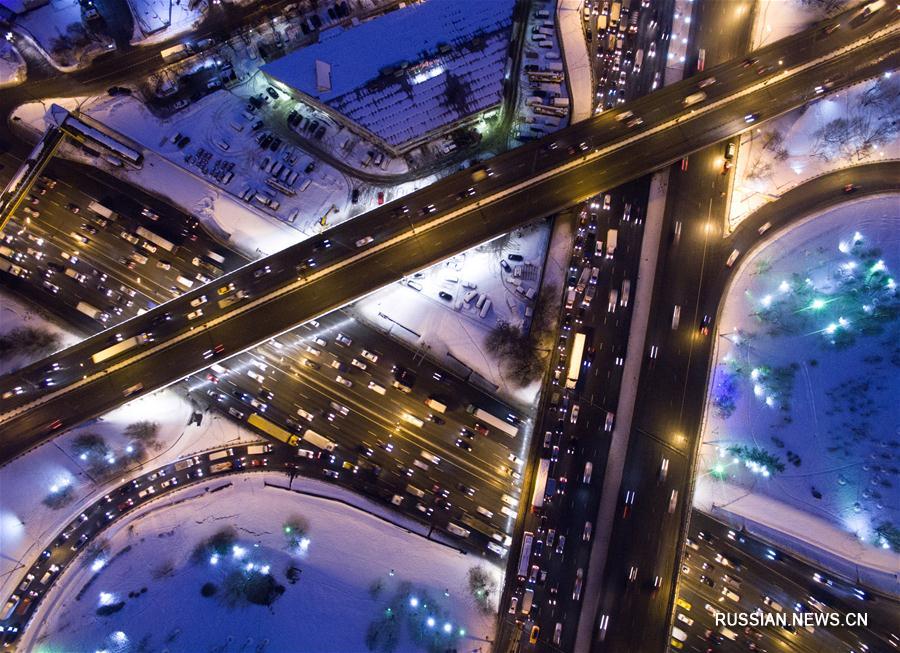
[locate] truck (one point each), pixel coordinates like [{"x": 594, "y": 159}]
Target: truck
[
  {"x": 412, "y": 419},
  {"x": 218, "y": 468},
  {"x": 436, "y": 405},
  {"x": 570, "y": 298},
  {"x": 75, "y": 274},
  {"x": 614, "y": 13},
  {"x": 583, "y": 280},
  {"x": 257, "y": 449},
  {"x": 156, "y": 239},
  {"x": 218, "y": 455},
  {"x": 119, "y": 348},
  {"x": 540, "y": 484},
  {"x": 175, "y": 53},
  {"x": 612, "y": 237},
  {"x": 589, "y": 296},
  {"x": 318, "y": 440},
  {"x": 527, "y": 601},
  {"x": 525, "y": 555},
  {"x": 218, "y": 258},
  {"x": 102, "y": 211},
  {"x": 492, "y": 420},
  {"x": 90, "y": 311},
  {"x": 270, "y": 428}
]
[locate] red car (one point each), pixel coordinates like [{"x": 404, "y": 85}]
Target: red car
[{"x": 380, "y": 197}]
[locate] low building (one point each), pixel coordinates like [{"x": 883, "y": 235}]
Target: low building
[{"x": 405, "y": 77}]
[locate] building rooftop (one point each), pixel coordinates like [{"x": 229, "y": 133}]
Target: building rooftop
[{"x": 408, "y": 72}]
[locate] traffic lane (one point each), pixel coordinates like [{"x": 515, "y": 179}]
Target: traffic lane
[
  {"x": 788, "y": 578},
  {"x": 382, "y": 432},
  {"x": 603, "y": 123},
  {"x": 708, "y": 132},
  {"x": 379, "y": 420},
  {"x": 637, "y": 546},
  {"x": 671, "y": 371}
]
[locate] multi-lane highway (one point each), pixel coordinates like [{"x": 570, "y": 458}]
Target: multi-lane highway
[
  {"x": 731, "y": 571},
  {"x": 71, "y": 254},
  {"x": 441, "y": 221},
  {"x": 671, "y": 396},
  {"x": 303, "y": 379}
]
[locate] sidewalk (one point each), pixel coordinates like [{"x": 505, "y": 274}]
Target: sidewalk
[
  {"x": 812, "y": 537},
  {"x": 618, "y": 449},
  {"x": 577, "y": 60}
]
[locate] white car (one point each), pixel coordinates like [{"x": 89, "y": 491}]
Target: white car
[
  {"x": 343, "y": 381},
  {"x": 368, "y": 355},
  {"x": 358, "y": 363},
  {"x": 198, "y": 301},
  {"x": 195, "y": 314}
]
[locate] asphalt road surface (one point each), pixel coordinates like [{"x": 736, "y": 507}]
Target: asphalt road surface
[
  {"x": 734, "y": 572},
  {"x": 180, "y": 342}
]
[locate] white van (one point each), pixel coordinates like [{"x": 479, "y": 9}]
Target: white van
[
  {"x": 380, "y": 389},
  {"x": 484, "y": 511},
  {"x": 457, "y": 530}
]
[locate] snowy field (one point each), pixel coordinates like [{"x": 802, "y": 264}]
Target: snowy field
[
  {"x": 58, "y": 30},
  {"x": 857, "y": 125},
  {"x": 12, "y": 65},
  {"x": 50, "y": 485},
  {"x": 803, "y": 405},
  {"x": 15, "y": 313},
  {"x": 338, "y": 575},
  {"x": 159, "y": 20},
  {"x": 444, "y": 328},
  {"x": 776, "y": 19}
]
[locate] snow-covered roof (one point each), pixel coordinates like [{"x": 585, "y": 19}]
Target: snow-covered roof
[{"x": 452, "y": 53}]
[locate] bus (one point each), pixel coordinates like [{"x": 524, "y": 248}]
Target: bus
[
  {"x": 274, "y": 430},
  {"x": 524, "y": 558},
  {"x": 575, "y": 360},
  {"x": 119, "y": 348},
  {"x": 155, "y": 239},
  {"x": 491, "y": 420},
  {"x": 540, "y": 484},
  {"x": 101, "y": 210}
]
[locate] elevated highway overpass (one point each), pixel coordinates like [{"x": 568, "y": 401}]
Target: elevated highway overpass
[{"x": 357, "y": 257}]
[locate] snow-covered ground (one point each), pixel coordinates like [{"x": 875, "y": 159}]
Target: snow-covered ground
[
  {"x": 15, "y": 313},
  {"x": 455, "y": 50},
  {"x": 578, "y": 62},
  {"x": 355, "y": 574},
  {"x": 443, "y": 328},
  {"x": 776, "y": 19},
  {"x": 166, "y": 171},
  {"x": 856, "y": 125},
  {"x": 156, "y": 21},
  {"x": 803, "y": 395},
  {"x": 12, "y": 66},
  {"x": 678, "y": 42},
  {"x": 58, "y": 30},
  {"x": 27, "y": 522}
]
